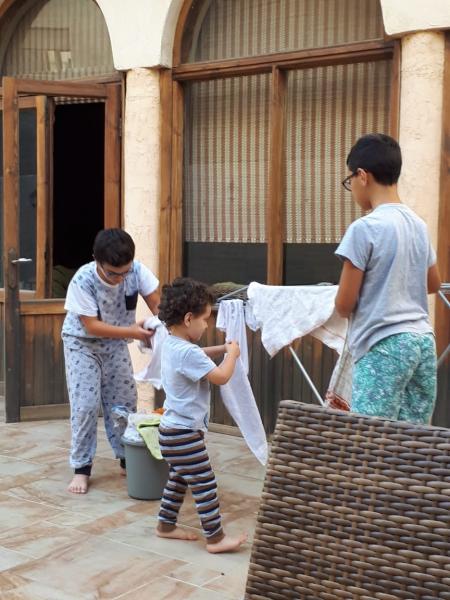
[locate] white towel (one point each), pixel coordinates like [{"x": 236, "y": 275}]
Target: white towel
[
  {"x": 237, "y": 394},
  {"x": 152, "y": 371},
  {"x": 286, "y": 313},
  {"x": 231, "y": 319}
]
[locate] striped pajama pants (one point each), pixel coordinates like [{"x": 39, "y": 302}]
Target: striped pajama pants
[{"x": 185, "y": 452}]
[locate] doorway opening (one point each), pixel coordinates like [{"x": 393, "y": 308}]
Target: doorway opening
[{"x": 78, "y": 187}]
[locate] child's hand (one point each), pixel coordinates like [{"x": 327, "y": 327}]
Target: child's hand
[
  {"x": 141, "y": 334},
  {"x": 233, "y": 349}
]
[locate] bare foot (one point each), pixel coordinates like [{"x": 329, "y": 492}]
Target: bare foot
[
  {"x": 227, "y": 544},
  {"x": 123, "y": 472},
  {"x": 177, "y": 534},
  {"x": 79, "y": 484}
]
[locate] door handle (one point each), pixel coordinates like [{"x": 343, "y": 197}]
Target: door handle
[{"x": 21, "y": 260}]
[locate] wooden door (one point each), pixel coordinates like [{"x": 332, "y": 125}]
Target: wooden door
[{"x": 34, "y": 383}]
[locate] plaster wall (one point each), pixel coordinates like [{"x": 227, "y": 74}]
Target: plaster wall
[
  {"x": 142, "y": 175},
  {"x": 422, "y": 74},
  {"x": 142, "y": 31}
]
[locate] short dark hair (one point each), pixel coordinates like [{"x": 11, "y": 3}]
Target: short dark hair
[
  {"x": 182, "y": 296},
  {"x": 114, "y": 246},
  {"x": 378, "y": 154}
]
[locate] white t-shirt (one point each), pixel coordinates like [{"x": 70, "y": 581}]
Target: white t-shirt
[
  {"x": 88, "y": 295},
  {"x": 183, "y": 370}
]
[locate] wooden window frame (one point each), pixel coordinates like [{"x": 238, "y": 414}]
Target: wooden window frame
[
  {"x": 442, "y": 320},
  {"x": 172, "y": 136}
]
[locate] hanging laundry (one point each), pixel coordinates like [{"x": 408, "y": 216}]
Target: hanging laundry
[
  {"x": 286, "y": 313},
  {"x": 237, "y": 394}
]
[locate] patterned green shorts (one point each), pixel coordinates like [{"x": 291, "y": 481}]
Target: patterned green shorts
[{"x": 396, "y": 379}]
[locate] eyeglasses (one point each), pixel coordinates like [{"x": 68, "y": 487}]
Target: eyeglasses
[
  {"x": 112, "y": 274},
  {"x": 347, "y": 182}
]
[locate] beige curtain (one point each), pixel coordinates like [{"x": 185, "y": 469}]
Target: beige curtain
[
  {"x": 60, "y": 39},
  {"x": 227, "y": 121},
  {"x": 327, "y": 110},
  {"x": 226, "y": 159},
  {"x": 236, "y": 28}
]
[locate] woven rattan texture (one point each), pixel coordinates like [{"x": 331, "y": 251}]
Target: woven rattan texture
[{"x": 353, "y": 507}]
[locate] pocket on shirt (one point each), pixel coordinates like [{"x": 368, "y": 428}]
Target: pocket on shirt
[{"x": 131, "y": 301}]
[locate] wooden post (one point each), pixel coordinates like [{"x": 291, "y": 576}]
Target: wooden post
[
  {"x": 176, "y": 224},
  {"x": 166, "y": 179},
  {"x": 394, "y": 114},
  {"x": 11, "y": 248},
  {"x": 112, "y": 156},
  {"x": 275, "y": 224},
  {"x": 44, "y": 230},
  {"x": 442, "y": 312}
]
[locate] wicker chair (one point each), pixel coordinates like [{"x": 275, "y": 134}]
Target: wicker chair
[{"x": 353, "y": 507}]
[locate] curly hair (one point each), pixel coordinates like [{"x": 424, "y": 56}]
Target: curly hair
[{"x": 182, "y": 296}]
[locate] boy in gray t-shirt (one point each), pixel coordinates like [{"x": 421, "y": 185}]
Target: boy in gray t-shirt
[
  {"x": 389, "y": 267},
  {"x": 101, "y": 318},
  {"x": 186, "y": 372}
]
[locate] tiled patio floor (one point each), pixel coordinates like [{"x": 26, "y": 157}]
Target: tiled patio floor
[{"x": 57, "y": 546}]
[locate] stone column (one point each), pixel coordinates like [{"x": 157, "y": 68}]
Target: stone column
[
  {"x": 142, "y": 180},
  {"x": 422, "y": 78}
]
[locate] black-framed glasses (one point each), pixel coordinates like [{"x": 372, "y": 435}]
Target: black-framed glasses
[
  {"x": 347, "y": 182},
  {"x": 110, "y": 274}
]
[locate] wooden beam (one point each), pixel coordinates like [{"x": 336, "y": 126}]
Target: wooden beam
[
  {"x": 176, "y": 217},
  {"x": 442, "y": 312},
  {"x": 275, "y": 214},
  {"x": 394, "y": 104},
  {"x": 45, "y": 412},
  {"x": 60, "y": 88},
  {"x": 301, "y": 59},
  {"x": 112, "y": 193},
  {"x": 43, "y": 307},
  {"x": 165, "y": 175},
  {"x": 11, "y": 248}
]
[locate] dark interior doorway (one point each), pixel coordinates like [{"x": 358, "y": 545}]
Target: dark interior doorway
[{"x": 78, "y": 187}]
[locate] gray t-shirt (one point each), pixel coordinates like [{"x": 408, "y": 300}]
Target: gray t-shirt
[
  {"x": 392, "y": 247},
  {"x": 88, "y": 295},
  {"x": 183, "y": 370}
]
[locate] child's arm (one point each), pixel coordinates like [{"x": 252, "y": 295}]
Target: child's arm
[
  {"x": 433, "y": 280},
  {"x": 349, "y": 287},
  {"x": 98, "y": 328},
  {"x": 222, "y": 374},
  {"x": 214, "y": 351}
]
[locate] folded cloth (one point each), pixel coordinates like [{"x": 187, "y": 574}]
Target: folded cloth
[
  {"x": 148, "y": 429},
  {"x": 152, "y": 372},
  {"x": 286, "y": 313},
  {"x": 237, "y": 394},
  {"x": 131, "y": 433}
]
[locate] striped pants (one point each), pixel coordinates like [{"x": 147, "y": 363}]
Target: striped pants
[{"x": 185, "y": 452}]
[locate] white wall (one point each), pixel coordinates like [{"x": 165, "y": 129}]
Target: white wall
[
  {"x": 402, "y": 16},
  {"x": 141, "y": 31}
]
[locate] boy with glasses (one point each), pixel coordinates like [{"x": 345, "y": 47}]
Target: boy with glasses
[
  {"x": 389, "y": 267},
  {"x": 101, "y": 319}
]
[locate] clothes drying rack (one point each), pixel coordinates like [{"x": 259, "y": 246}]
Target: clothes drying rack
[
  {"x": 443, "y": 293},
  {"x": 297, "y": 360}
]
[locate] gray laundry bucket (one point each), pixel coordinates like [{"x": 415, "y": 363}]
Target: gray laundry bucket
[{"x": 146, "y": 476}]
